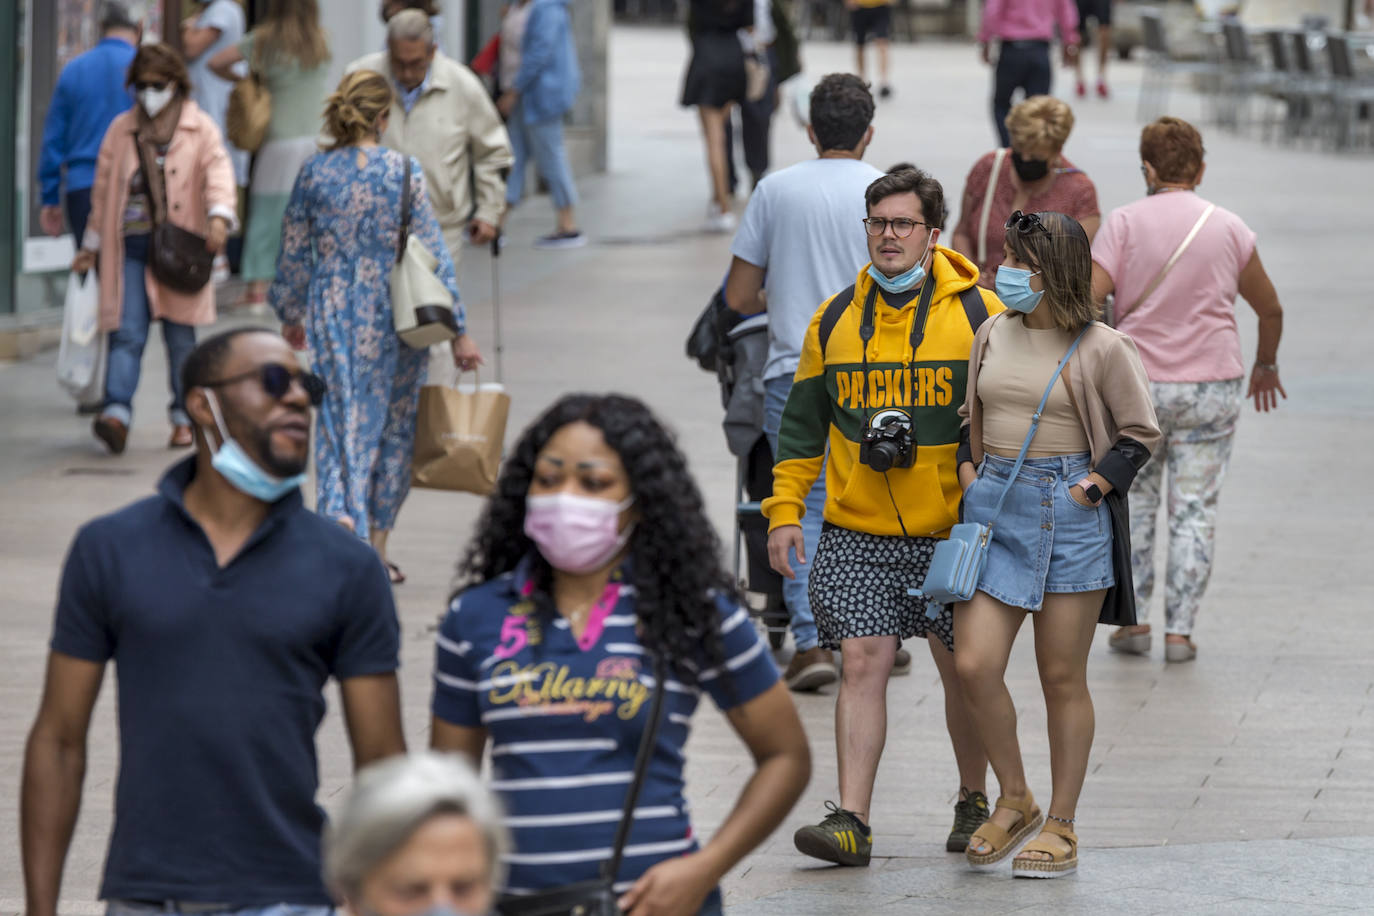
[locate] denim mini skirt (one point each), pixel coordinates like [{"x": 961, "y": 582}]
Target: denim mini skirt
[{"x": 1044, "y": 540}]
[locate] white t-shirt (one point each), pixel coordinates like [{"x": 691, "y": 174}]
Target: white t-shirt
[
  {"x": 209, "y": 91},
  {"x": 804, "y": 226}
]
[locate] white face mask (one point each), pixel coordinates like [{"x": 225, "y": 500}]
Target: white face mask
[{"x": 154, "y": 100}]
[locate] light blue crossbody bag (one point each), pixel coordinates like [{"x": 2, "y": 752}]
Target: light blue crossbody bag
[{"x": 958, "y": 562}]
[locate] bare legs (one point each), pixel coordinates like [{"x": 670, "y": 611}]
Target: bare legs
[
  {"x": 713, "y": 133},
  {"x": 969, "y": 755},
  {"x": 567, "y": 222},
  {"x": 883, "y": 47},
  {"x": 861, "y": 717},
  {"x": 984, "y": 630},
  {"x": 1104, "y": 49}
]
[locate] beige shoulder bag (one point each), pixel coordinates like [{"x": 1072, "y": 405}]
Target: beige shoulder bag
[
  {"x": 1114, "y": 314},
  {"x": 987, "y": 207},
  {"x": 250, "y": 108},
  {"x": 421, "y": 305}
]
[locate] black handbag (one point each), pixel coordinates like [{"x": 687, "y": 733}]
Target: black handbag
[
  {"x": 707, "y": 339},
  {"x": 597, "y": 896},
  {"x": 177, "y": 257}
]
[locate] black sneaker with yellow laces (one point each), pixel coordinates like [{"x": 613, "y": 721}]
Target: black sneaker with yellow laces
[
  {"x": 841, "y": 838},
  {"x": 970, "y": 811}
]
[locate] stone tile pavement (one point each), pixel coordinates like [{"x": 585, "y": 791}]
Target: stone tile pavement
[{"x": 1238, "y": 784}]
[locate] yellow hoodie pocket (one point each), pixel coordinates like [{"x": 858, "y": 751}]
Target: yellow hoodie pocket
[{"x": 867, "y": 506}]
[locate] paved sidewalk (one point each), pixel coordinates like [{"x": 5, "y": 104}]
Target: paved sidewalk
[{"x": 1238, "y": 784}]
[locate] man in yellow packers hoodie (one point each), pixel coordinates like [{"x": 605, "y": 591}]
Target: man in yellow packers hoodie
[{"x": 882, "y": 374}]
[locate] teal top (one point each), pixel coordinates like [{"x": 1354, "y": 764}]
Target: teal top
[{"x": 298, "y": 94}]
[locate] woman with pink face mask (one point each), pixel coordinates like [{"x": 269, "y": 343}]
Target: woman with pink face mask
[{"x": 592, "y": 564}]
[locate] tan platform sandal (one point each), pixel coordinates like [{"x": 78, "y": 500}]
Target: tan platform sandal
[
  {"x": 1059, "y": 863},
  {"x": 1003, "y": 842}
]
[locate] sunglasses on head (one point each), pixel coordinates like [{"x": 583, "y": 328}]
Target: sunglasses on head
[
  {"x": 276, "y": 380},
  {"x": 155, "y": 86},
  {"x": 1026, "y": 222}
]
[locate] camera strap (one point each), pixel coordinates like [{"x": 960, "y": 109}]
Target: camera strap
[{"x": 867, "y": 328}]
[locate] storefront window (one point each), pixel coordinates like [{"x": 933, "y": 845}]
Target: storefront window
[{"x": 47, "y": 35}]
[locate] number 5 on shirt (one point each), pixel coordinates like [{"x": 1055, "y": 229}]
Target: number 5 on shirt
[{"x": 513, "y": 637}]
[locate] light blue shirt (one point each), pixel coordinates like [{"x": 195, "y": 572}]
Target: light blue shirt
[
  {"x": 804, "y": 225},
  {"x": 410, "y": 96}
]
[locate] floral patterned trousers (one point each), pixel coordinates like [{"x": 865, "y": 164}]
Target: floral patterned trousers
[{"x": 1198, "y": 420}]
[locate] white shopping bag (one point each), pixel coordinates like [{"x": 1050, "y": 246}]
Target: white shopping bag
[{"x": 81, "y": 354}]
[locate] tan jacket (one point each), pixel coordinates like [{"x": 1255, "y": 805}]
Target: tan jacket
[
  {"x": 200, "y": 184},
  {"x": 1109, "y": 389},
  {"x": 457, "y": 134}
]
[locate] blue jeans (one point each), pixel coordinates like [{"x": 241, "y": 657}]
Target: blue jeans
[
  {"x": 188, "y": 908},
  {"x": 543, "y": 139},
  {"x": 78, "y": 212},
  {"x": 126, "y": 352},
  {"x": 794, "y": 591}
]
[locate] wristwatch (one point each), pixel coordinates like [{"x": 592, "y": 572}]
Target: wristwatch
[{"x": 1090, "y": 490}]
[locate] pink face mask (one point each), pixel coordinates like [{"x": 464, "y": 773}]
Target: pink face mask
[{"x": 576, "y": 534}]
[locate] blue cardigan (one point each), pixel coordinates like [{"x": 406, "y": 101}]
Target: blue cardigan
[
  {"x": 90, "y": 93},
  {"x": 548, "y": 79}
]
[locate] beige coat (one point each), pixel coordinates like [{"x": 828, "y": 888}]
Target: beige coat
[
  {"x": 200, "y": 184},
  {"x": 457, "y": 134},
  {"x": 1109, "y": 389}
]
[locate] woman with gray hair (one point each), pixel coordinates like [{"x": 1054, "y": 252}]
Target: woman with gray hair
[{"x": 418, "y": 834}]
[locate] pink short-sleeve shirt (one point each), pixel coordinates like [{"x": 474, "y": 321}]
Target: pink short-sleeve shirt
[{"x": 1186, "y": 330}]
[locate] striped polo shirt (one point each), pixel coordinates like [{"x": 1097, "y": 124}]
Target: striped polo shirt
[{"x": 565, "y": 717}]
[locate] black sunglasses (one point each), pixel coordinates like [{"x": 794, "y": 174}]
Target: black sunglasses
[
  {"x": 1026, "y": 222},
  {"x": 156, "y": 87},
  {"x": 276, "y": 380}
]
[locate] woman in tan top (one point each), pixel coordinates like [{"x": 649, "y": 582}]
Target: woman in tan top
[{"x": 1060, "y": 548}]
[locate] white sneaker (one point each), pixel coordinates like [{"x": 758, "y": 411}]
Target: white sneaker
[{"x": 719, "y": 221}]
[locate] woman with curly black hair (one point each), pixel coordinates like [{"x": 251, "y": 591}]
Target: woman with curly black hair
[{"x": 593, "y": 558}]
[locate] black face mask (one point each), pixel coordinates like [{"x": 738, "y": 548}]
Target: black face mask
[{"x": 1029, "y": 169}]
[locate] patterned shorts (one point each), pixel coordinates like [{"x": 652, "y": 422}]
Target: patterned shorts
[{"x": 858, "y": 587}]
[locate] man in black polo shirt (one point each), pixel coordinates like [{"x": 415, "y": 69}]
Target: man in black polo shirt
[{"x": 226, "y": 605}]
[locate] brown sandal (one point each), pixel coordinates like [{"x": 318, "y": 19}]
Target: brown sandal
[
  {"x": 1003, "y": 842},
  {"x": 1058, "y": 864}
]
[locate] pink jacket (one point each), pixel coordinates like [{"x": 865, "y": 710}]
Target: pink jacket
[
  {"x": 1029, "y": 20},
  {"x": 200, "y": 184}
]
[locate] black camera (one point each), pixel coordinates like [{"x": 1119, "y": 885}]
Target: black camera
[{"x": 887, "y": 442}]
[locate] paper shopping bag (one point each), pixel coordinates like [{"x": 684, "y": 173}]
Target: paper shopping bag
[{"x": 459, "y": 435}]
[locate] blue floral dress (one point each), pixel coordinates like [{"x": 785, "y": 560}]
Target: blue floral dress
[{"x": 339, "y": 238}]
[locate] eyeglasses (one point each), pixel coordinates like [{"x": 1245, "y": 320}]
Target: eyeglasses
[
  {"x": 1026, "y": 222},
  {"x": 901, "y": 226},
  {"x": 156, "y": 87},
  {"x": 276, "y": 380}
]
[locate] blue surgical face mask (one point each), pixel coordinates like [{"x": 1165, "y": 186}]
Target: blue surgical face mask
[
  {"x": 906, "y": 281},
  {"x": 242, "y": 472},
  {"x": 1014, "y": 289}
]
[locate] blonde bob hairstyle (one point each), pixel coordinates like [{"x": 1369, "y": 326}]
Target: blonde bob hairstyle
[
  {"x": 394, "y": 798},
  {"x": 1063, "y": 258},
  {"x": 352, "y": 112},
  {"x": 1039, "y": 126}
]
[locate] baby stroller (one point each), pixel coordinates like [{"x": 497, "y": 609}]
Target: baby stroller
[{"x": 735, "y": 349}]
